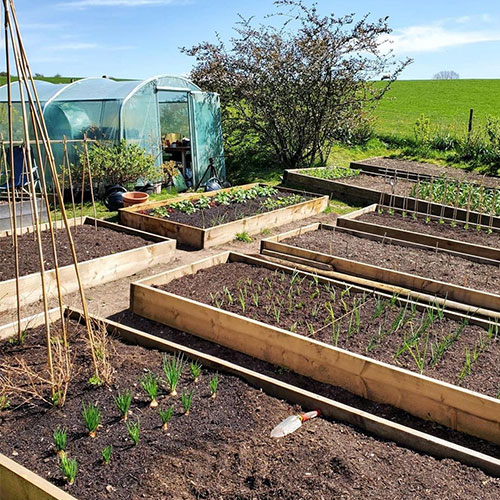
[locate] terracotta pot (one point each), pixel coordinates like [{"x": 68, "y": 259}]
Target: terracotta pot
[{"x": 134, "y": 197}]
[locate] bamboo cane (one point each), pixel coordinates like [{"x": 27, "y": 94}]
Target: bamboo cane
[
  {"x": 66, "y": 157},
  {"x": 87, "y": 161},
  {"x": 10, "y": 204}
]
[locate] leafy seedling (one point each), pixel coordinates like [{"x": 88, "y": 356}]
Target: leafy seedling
[
  {"x": 69, "y": 468},
  {"x": 186, "y": 400},
  {"x": 134, "y": 430},
  {"x": 173, "y": 367},
  {"x": 214, "y": 384},
  {"x": 244, "y": 237},
  {"x": 122, "y": 402},
  {"x": 149, "y": 383},
  {"x": 92, "y": 417},
  {"x": 4, "y": 402},
  {"x": 165, "y": 416},
  {"x": 195, "y": 369},
  {"x": 106, "y": 453},
  {"x": 60, "y": 437}
]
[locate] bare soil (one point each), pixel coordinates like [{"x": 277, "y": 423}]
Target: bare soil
[
  {"x": 90, "y": 243},
  {"x": 434, "y": 170},
  {"x": 221, "y": 450},
  {"x": 399, "y": 187},
  {"x": 434, "y": 227},
  {"x": 362, "y": 323},
  {"x": 222, "y": 214},
  {"x": 427, "y": 263}
]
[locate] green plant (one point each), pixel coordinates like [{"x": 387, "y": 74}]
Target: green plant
[
  {"x": 92, "y": 417},
  {"x": 203, "y": 202},
  {"x": 195, "y": 369},
  {"x": 172, "y": 368},
  {"x": 244, "y": 237},
  {"x": 122, "y": 402},
  {"x": 106, "y": 453},
  {"x": 60, "y": 437},
  {"x": 331, "y": 172},
  {"x": 69, "y": 468},
  {"x": 149, "y": 383},
  {"x": 185, "y": 206},
  {"x": 186, "y": 400},
  {"x": 4, "y": 402},
  {"x": 214, "y": 384},
  {"x": 134, "y": 430},
  {"x": 467, "y": 366},
  {"x": 165, "y": 416},
  {"x": 120, "y": 163}
]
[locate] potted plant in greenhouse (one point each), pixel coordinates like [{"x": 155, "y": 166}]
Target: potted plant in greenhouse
[{"x": 116, "y": 166}]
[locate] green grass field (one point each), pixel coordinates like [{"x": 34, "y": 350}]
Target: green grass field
[
  {"x": 51, "y": 79},
  {"x": 445, "y": 102}
]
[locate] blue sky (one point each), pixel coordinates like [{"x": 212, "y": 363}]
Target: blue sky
[{"x": 141, "y": 38}]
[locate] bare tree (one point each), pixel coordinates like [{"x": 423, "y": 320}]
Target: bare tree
[
  {"x": 300, "y": 86},
  {"x": 446, "y": 75}
]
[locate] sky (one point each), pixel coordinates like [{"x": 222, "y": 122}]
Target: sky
[{"x": 141, "y": 38}]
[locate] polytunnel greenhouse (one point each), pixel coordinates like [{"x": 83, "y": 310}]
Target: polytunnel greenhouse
[{"x": 168, "y": 116}]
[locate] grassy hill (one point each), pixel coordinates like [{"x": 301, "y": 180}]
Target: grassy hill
[
  {"x": 445, "y": 102},
  {"x": 51, "y": 79}
]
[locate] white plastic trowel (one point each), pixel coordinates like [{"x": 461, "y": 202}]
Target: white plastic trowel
[{"x": 292, "y": 423}]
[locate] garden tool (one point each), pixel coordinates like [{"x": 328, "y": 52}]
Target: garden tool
[{"x": 292, "y": 423}]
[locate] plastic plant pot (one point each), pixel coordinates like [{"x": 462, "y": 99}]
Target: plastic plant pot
[{"x": 134, "y": 197}]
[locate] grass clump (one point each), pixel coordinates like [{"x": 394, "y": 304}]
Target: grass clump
[
  {"x": 149, "y": 383},
  {"x": 173, "y": 367},
  {"x": 92, "y": 417}
]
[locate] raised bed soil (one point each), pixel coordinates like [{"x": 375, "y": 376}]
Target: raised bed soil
[{"x": 221, "y": 450}]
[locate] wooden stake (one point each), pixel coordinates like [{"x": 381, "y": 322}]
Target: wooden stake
[
  {"x": 66, "y": 157},
  {"x": 87, "y": 161}
]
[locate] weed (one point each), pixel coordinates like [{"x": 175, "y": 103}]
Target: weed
[
  {"x": 149, "y": 383},
  {"x": 122, "y": 402},
  {"x": 92, "y": 417},
  {"x": 106, "y": 453},
  {"x": 173, "y": 367},
  {"x": 165, "y": 416},
  {"x": 214, "y": 384},
  {"x": 244, "y": 237},
  {"x": 60, "y": 437},
  {"x": 186, "y": 400},
  {"x": 134, "y": 430},
  {"x": 195, "y": 369},
  {"x": 69, "y": 468}
]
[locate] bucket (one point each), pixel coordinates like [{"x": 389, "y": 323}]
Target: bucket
[{"x": 134, "y": 197}]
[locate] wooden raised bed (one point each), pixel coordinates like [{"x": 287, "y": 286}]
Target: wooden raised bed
[
  {"x": 350, "y": 221},
  {"x": 93, "y": 272},
  {"x": 296, "y": 179},
  {"x": 198, "y": 238},
  {"x": 456, "y": 296},
  {"x": 19, "y": 483},
  {"x": 424, "y": 397}
]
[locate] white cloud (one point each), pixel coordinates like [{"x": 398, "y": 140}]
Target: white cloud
[
  {"x": 434, "y": 37},
  {"x": 82, "y": 4}
]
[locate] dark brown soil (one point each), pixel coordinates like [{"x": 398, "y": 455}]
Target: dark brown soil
[
  {"x": 89, "y": 243},
  {"x": 222, "y": 449},
  {"x": 398, "y": 187},
  {"x": 435, "y": 170},
  {"x": 363, "y": 324},
  {"x": 427, "y": 263},
  {"x": 434, "y": 227},
  {"x": 222, "y": 214}
]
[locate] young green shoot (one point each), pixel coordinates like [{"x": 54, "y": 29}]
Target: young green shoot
[
  {"x": 149, "y": 383},
  {"x": 106, "y": 453},
  {"x": 4, "y": 402},
  {"x": 60, "y": 436},
  {"x": 92, "y": 417},
  {"x": 186, "y": 400},
  {"x": 134, "y": 430},
  {"x": 69, "y": 468},
  {"x": 165, "y": 416},
  {"x": 244, "y": 237},
  {"x": 173, "y": 367},
  {"x": 214, "y": 384},
  {"x": 195, "y": 369},
  {"x": 122, "y": 402}
]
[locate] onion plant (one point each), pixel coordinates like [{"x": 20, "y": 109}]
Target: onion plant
[
  {"x": 165, "y": 416},
  {"x": 173, "y": 367},
  {"x": 122, "y": 402},
  {"x": 214, "y": 384},
  {"x": 149, "y": 383},
  {"x": 195, "y": 369},
  {"x": 92, "y": 417},
  {"x": 106, "y": 453},
  {"x": 69, "y": 468},
  {"x": 186, "y": 400},
  {"x": 60, "y": 437},
  {"x": 134, "y": 430}
]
